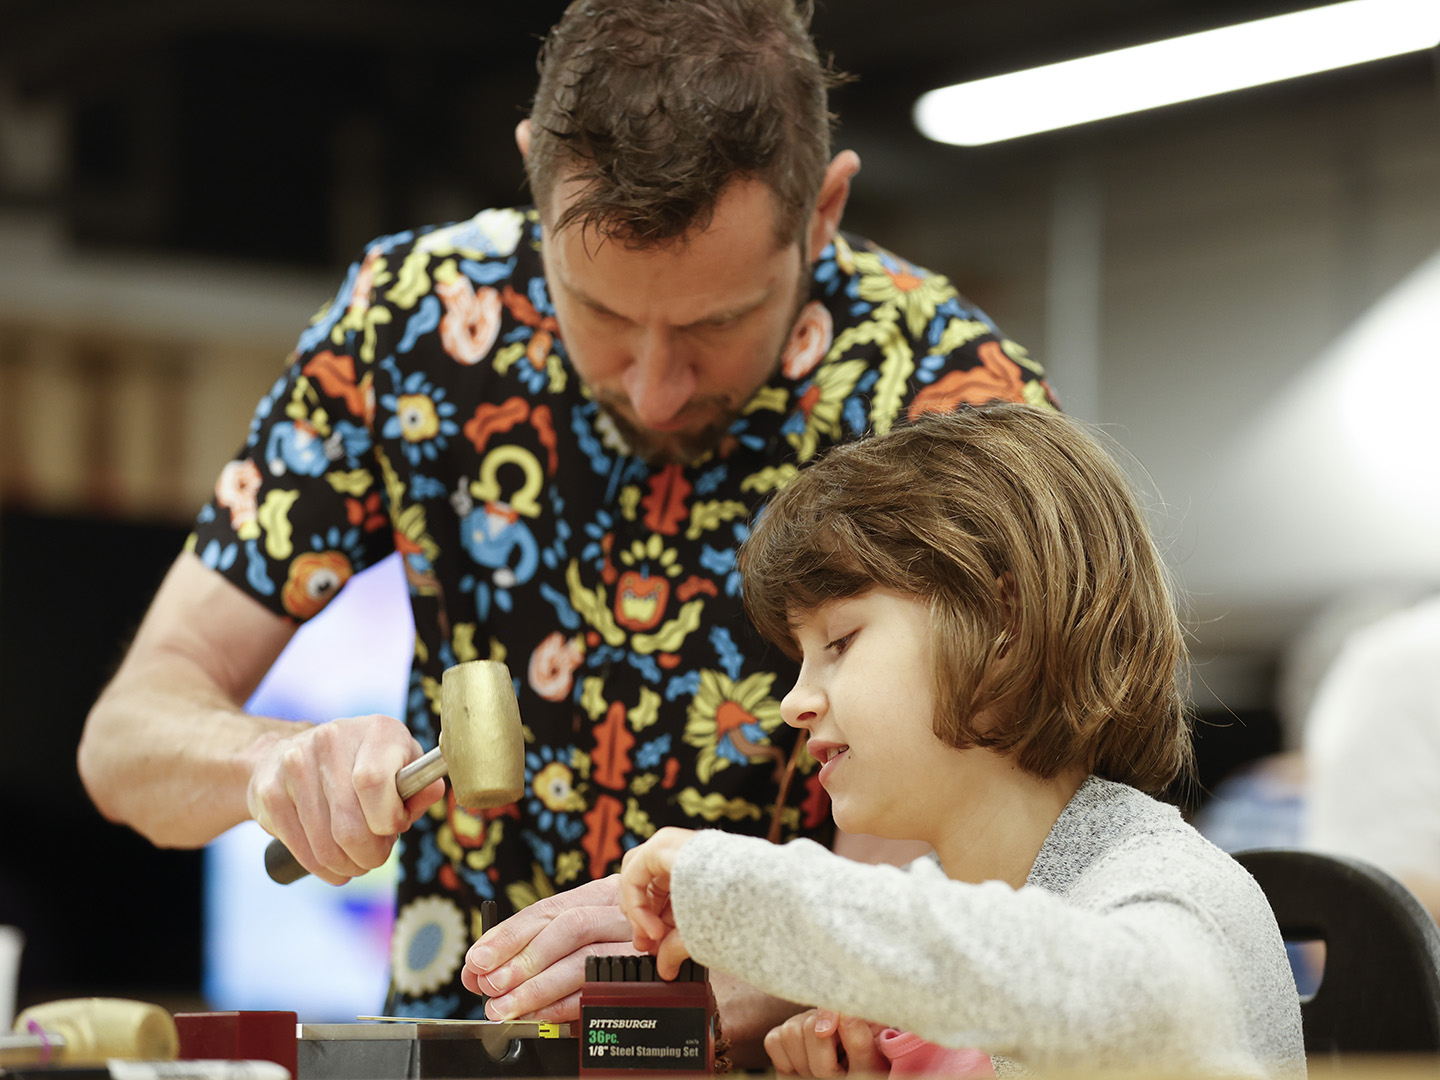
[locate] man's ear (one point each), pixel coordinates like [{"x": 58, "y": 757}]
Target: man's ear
[
  {"x": 830, "y": 205},
  {"x": 522, "y": 137}
]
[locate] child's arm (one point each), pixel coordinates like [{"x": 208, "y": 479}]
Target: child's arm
[
  {"x": 1029, "y": 974},
  {"x": 805, "y": 1045},
  {"x": 802, "y": 1045},
  {"x": 645, "y": 897}
]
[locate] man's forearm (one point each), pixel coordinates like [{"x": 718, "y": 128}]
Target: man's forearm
[
  {"x": 170, "y": 756},
  {"x": 167, "y": 749},
  {"x": 746, "y": 1016}
]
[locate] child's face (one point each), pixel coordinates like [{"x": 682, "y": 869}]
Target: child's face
[{"x": 865, "y": 695}]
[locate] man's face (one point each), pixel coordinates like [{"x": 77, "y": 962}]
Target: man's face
[{"x": 673, "y": 341}]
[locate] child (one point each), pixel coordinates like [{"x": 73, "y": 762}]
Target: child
[{"x": 989, "y": 659}]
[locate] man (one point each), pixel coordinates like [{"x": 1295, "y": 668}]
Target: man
[{"x": 563, "y": 419}]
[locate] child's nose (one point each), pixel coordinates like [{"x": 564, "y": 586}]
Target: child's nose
[{"x": 802, "y": 706}]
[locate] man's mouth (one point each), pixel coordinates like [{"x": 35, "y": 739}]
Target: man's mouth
[
  {"x": 680, "y": 422},
  {"x": 683, "y": 440}
]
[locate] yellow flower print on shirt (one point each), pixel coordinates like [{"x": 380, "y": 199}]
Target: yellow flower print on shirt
[
  {"x": 821, "y": 403},
  {"x": 418, "y": 419},
  {"x": 554, "y": 785},
  {"x": 897, "y": 286},
  {"x": 730, "y": 722}
]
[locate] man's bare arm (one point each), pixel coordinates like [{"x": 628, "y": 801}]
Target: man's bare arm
[
  {"x": 746, "y": 1017},
  {"x": 167, "y": 748}
]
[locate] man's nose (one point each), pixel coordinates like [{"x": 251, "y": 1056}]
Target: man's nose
[{"x": 659, "y": 381}]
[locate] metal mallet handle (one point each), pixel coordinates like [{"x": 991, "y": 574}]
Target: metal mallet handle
[{"x": 284, "y": 868}]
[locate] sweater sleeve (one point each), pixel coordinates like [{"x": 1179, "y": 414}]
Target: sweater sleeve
[{"x": 1026, "y": 973}]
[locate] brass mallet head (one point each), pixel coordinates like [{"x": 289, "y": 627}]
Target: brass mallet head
[{"x": 481, "y": 738}]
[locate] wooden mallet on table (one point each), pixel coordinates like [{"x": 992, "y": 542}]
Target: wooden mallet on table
[
  {"x": 482, "y": 750},
  {"x": 90, "y": 1031}
]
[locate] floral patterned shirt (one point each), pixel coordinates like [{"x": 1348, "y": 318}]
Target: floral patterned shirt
[{"x": 431, "y": 409}]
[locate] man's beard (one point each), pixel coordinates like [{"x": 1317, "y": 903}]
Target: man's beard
[{"x": 671, "y": 447}]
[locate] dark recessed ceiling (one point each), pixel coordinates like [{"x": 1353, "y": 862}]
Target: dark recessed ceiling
[
  {"x": 57, "y": 42},
  {"x": 251, "y": 128}
]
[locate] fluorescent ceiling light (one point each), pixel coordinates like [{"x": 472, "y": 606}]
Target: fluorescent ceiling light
[{"x": 1180, "y": 69}]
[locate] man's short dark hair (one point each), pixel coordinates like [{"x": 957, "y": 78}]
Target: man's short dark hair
[{"x": 656, "y": 105}]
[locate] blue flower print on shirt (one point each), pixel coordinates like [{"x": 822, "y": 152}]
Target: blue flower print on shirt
[
  {"x": 421, "y": 418},
  {"x": 722, "y": 562},
  {"x": 492, "y": 533},
  {"x": 319, "y": 331},
  {"x": 486, "y": 273},
  {"x": 217, "y": 557},
  {"x": 540, "y": 296},
  {"x": 295, "y": 446},
  {"x": 553, "y": 799},
  {"x": 651, "y": 755},
  {"x": 827, "y": 271},
  {"x": 347, "y": 540},
  {"x": 263, "y": 411},
  {"x": 257, "y": 570},
  {"x": 352, "y": 441},
  {"x": 534, "y": 379},
  {"x": 594, "y": 550},
  {"x": 417, "y": 712},
  {"x": 479, "y": 880}
]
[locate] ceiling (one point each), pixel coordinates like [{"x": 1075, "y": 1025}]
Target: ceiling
[
  {"x": 906, "y": 41},
  {"x": 252, "y": 128}
]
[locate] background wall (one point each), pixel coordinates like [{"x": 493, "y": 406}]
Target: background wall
[{"x": 182, "y": 186}]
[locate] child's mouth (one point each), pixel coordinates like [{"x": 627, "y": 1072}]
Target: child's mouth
[{"x": 830, "y": 758}]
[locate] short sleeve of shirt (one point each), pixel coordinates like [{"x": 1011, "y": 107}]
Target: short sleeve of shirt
[{"x": 303, "y": 506}]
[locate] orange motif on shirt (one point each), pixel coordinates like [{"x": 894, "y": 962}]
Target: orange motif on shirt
[
  {"x": 640, "y": 600},
  {"x": 997, "y": 378}
]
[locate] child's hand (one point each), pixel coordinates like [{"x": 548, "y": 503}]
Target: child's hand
[
  {"x": 806, "y": 1045},
  {"x": 645, "y": 898}
]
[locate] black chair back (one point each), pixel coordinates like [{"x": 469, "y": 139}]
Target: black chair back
[{"x": 1380, "y": 988}]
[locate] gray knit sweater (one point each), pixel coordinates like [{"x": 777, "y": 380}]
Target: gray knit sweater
[{"x": 1135, "y": 943}]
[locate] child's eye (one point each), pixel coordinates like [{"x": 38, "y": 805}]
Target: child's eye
[{"x": 840, "y": 644}]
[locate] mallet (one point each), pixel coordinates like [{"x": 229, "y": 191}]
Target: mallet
[
  {"x": 90, "y": 1031},
  {"x": 482, "y": 750}
]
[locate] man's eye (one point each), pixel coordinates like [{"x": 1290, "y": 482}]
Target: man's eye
[{"x": 708, "y": 332}]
